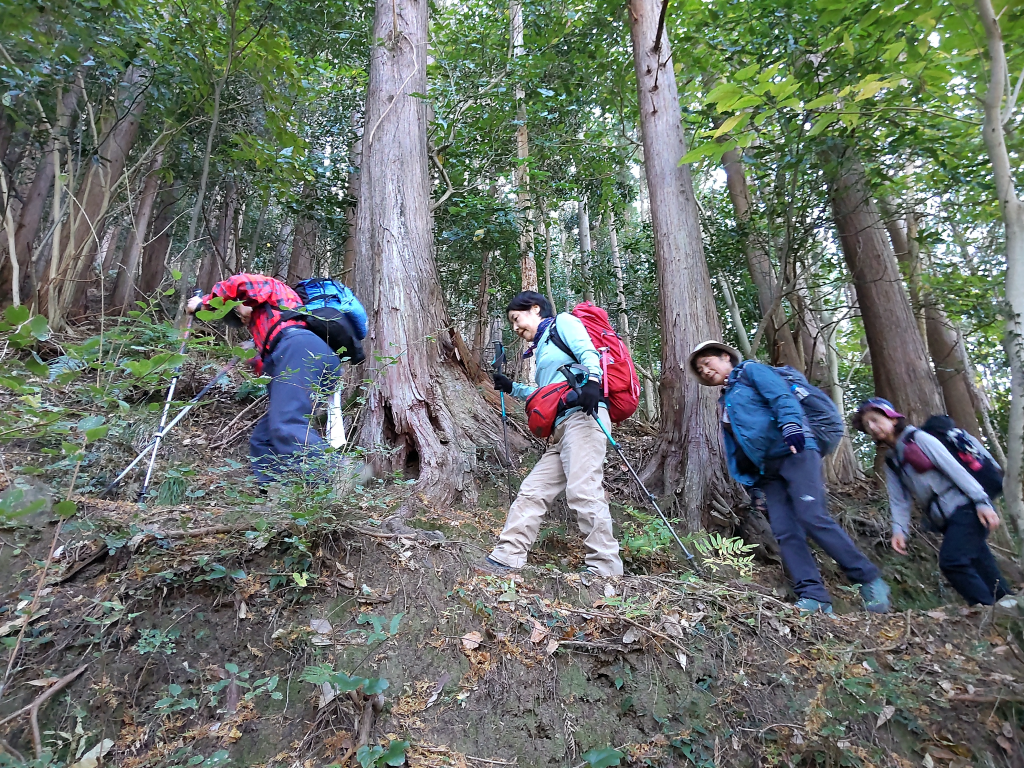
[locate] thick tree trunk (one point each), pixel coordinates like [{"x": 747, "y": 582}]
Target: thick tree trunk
[
  {"x": 904, "y": 243},
  {"x": 156, "y": 250},
  {"x": 283, "y": 249},
  {"x": 124, "y": 289},
  {"x": 483, "y": 300},
  {"x": 780, "y": 339},
  {"x": 257, "y": 235},
  {"x": 688, "y": 464},
  {"x": 1012, "y": 207},
  {"x": 585, "y": 249},
  {"x": 80, "y": 241},
  {"x": 355, "y": 159},
  {"x": 899, "y": 360},
  {"x": 421, "y": 400},
  {"x": 547, "y": 253},
  {"x": 944, "y": 343}
]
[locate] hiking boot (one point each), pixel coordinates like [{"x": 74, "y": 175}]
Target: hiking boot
[
  {"x": 490, "y": 567},
  {"x": 808, "y": 605},
  {"x": 876, "y": 596}
]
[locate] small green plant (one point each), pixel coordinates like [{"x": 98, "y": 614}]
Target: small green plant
[
  {"x": 264, "y": 687},
  {"x": 319, "y": 674},
  {"x": 602, "y": 758},
  {"x": 721, "y": 553},
  {"x": 173, "y": 701},
  {"x": 375, "y": 756},
  {"x": 378, "y": 632},
  {"x": 211, "y": 571},
  {"x": 644, "y": 537},
  {"x": 157, "y": 640}
]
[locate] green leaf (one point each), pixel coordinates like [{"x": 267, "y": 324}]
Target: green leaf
[
  {"x": 602, "y": 758},
  {"x": 375, "y": 685},
  {"x": 231, "y": 668},
  {"x": 89, "y": 422},
  {"x": 96, "y": 433},
  {"x": 65, "y": 508},
  {"x": 871, "y": 89},
  {"x": 746, "y": 72},
  {"x": 38, "y": 328},
  {"x": 394, "y": 754},
  {"x": 822, "y": 123},
  {"x": 174, "y": 689},
  {"x": 724, "y": 92},
  {"x": 301, "y": 578},
  {"x": 731, "y": 123},
  {"x": 16, "y": 315},
  {"x": 367, "y": 755},
  {"x": 37, "y": 366},
  {"x": 822, "y": 101}
]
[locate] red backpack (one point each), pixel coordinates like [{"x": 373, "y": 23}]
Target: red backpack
[{"x": 621, "y": 384}]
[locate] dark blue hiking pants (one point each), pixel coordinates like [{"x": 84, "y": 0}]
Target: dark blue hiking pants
[
  {"x": 798, "y": 509},
  {"x": 967, "y": 562},
  {"x": 304, "y": 371}
]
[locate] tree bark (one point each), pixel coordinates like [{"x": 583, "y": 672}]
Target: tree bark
[
  {"x": 80, "y": 241},
  {"x": 155, "y": 251},
  {"x": 1012, "y": 208},
  {"x": 688, "y": 464},
  {"x": 904, "y": 243},
  {"x": 780, "y": 339},
  {"x": 300, "y": 265},
  {"x": 585, "y": 249},
  {"x": 620, "y": 283},
  {"x": 899, "y": 360},
  {"x": 281, "y": 251},
  {"x": 735, "y": 316},
  {"x": 257, "y": 235},
  {"x": 483, "y": 300},
  {"x": 355, "y": 159},
  {"x": 421, "y": 400},
  {"x": 521, "y": 177},
  {"x": 30, "y": 216},
  {"x": 546, "y": 221},
  {"x": 124, "y": 289}
]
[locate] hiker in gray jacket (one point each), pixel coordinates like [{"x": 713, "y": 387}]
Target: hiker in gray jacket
[{"x": 919, "y": 468}]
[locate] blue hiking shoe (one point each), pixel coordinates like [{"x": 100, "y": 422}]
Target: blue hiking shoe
[
  {"x": 876, "y": 596},
  {"x": 808, "y": 605}
]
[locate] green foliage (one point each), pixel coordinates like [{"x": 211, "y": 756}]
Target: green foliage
[
  {"x": 603, "y": 758},
  {"x": 372, "y": 757},
  {"x": 320, "y": 674},
  {"x": 379, "y": 633},
  {"x": 719, "y": 552}
]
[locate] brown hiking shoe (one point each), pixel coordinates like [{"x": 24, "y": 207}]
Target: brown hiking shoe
[{"x": 489, "y": 567}]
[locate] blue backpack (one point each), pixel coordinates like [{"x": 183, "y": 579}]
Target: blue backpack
[
  {"x": 333, "y": 313},
  {"x": 820, "y": 412}
]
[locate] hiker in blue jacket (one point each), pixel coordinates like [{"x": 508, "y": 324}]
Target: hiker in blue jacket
[{"x": 769, "y": 447}]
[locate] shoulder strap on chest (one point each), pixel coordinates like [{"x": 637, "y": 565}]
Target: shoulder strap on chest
[{"x": 557, "y": 340}]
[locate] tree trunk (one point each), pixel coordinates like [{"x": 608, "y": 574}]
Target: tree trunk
[
  {"x": 80, "y": 241},
  {"x": 585, "y": 250},
  {"x": 155, "y": 252},
  {"x": 483, "y": 300},
  {"x": 124, "y": 289},
  {"x": 421, "y": 400},
  {"x": 257, "y": 235},
  {"x": 620, "y": 287},
  {"x": 899, "y": 360},
  {"x": 300, "y": 265},
  {"x": 735, "y": 316},
  {"x": 781, "y": 345},
  {"x": 546, "y": 221},
  {"x": 688, "y": 464},
  {"x": 1012, "y": 208},
  {"x": 904, "y": 243},
  {"x": 355, "y": 158},
  {"x": 521, "y": 177},
  {"x": 282, "y": 250},
  {"x": 30, "y": 215}
]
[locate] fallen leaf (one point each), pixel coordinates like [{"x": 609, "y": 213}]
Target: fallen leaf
[
  {"x": 92, "y": 758},
  {"x": 941, "y": 754},
  {"x": 539, "y": 632},
  {"x": 471, "y": 640},
  {"x": 609, "y": 590},
  {"x": 551, "y": 647},
  {"x": 44, "y": 681},
  {"x": 437, "y": 689},
  {"x": 937, "y": 615},
  {"x": 681, "y": 658},
  {"x": 1003, "y": 742},
  {"x": 844, "y": 744},
  {"x": 928, "y": 762},
  {"x": 887, "y": 712},
  {"x": 631, "y": 636},
  {"x": 946, "y": 686},
  {"x": 321, "y": 626},
  {"x": 1007, "y": 730},
  {"x": 243, "y": 610}
]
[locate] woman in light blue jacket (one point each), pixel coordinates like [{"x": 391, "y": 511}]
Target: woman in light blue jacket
[{"x": 574, "y": 459}]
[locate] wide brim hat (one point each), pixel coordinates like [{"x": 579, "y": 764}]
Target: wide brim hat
[
  {"x": 879, "y": 404},
  {"x": 703, "y": 348}
]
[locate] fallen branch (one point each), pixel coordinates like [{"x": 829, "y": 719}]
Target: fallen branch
[
  {"x": 612, "y": 617},
  {"x": 979, "y": 698},
  {"x": 34, "y": 707}
]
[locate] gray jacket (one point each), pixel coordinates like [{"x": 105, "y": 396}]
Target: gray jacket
[{"x": 949, "y": 485}]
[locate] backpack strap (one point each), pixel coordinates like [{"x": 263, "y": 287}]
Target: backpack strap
[{"x": 557, "y": 340}]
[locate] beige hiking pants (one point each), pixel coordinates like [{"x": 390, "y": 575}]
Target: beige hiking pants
[{"x": 574, "y": 463}]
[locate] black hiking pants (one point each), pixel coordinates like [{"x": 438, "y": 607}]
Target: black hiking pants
[{"x": 967, "y": 562}]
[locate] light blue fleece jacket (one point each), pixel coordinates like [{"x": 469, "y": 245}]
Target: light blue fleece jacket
[{"x": 550, "y": 358}]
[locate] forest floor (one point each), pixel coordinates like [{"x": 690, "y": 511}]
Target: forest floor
[{"x": 229, "y": 629}]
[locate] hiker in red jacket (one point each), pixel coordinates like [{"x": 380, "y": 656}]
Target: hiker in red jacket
[{"x": 302, "y": 369}]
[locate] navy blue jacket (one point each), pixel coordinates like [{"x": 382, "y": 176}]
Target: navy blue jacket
[{"x": 758, "y": 402}]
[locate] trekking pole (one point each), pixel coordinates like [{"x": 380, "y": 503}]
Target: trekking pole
[
  {"x": 498, "y": 363},
  {"x": 167, "y": 404},
  {"x": 155, "y": 440},
  {"x": 570, "y": 376}
]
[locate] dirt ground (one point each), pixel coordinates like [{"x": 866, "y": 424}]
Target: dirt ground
[{"x": 231, "y": 629}]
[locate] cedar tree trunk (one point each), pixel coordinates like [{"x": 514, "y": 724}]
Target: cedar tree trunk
[
  {"x": 124, "y": 289},
  {"x": 899, "y": 360},
  {"x": 155, "y": 252},
  {"x": 688, "y": 465},
  {"x": 423, "y": 414}
]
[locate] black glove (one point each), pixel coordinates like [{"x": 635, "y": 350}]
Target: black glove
[
  {"x": 793, "y": 436},
  {"x": 590, "y": 395},
  {"x": 503, "y": 383}
]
